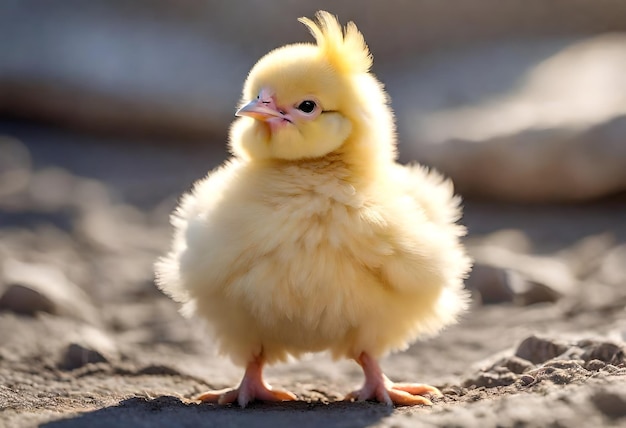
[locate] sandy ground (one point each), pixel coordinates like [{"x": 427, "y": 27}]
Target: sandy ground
[{"x": 87, "y": 340}]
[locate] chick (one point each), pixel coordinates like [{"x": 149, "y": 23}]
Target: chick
[{"x": 311, "y": 237}]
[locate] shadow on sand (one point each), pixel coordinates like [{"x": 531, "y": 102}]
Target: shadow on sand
[{"x": 167, "y": 411}]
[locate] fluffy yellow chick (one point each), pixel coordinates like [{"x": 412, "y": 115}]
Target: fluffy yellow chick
[{"x": 311, "y": 237}]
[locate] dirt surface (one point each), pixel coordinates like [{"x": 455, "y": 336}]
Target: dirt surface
[{"x": 87, "y": 340}]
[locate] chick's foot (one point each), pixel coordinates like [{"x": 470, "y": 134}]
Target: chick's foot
[
  {"x": 251, "y": 388},
  {"x": 378, "y": 387}
]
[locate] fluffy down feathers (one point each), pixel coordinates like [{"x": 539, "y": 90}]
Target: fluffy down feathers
[{"x": 333, "y": 246}]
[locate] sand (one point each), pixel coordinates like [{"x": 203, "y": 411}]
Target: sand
[{"x": 87, "y": 340}]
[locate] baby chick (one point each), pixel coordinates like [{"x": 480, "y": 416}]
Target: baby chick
[{"x": 311, "y": 237}]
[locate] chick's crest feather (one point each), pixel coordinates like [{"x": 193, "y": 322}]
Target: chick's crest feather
[{"x": 347, "y": 51}]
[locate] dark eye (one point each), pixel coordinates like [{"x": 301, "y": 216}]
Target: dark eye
[{"x": 307, "y": 106}]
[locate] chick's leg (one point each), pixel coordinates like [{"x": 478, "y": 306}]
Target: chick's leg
[
  {"x": 378, "y": 387},
  {"x": 252, "y": 387}
]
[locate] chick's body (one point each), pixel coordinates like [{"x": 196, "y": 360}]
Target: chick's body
[{"x": 311, "y": 237}]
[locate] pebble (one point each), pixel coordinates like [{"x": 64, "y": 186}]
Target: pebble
[
  {"x": 86, "y": 346},
  {"x": 527, "y": 380},
  {"x": 610, "y": 403},
  {"x": 77, "y": 355},
  {"x": 595, "y": 365},
  {"x": 39, "y": 287},
  {"x": 23, "y": 300},
  {"x": 539, "y": 350},
  {"x": 504, "y": 275},
  {"x": 606, "y": 352},
  {"x": 518, "y": 365},
  {"x": 491, "y": 283}
]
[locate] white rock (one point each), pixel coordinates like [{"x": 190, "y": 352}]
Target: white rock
[{"x": 533, "y": 121}]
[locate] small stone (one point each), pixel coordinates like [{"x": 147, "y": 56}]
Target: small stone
[
  {"x": 538, "y": 350},
  {"x": 612, "y": 404},
  {"x": 86, "y": 346},
  {"x": 77, "y": 355},
  {"x": 518, "y": 365},
  {"x": 491, "y": 283},
  {"x": 452, "y": 390},
  {"x": 525, "y": 279},
  {"x": 595, "y": 365},
  {"x": 44, "y": 288},
  {"x": 25, "y": 301},
  {"x": 536, "y": 292},
  {"x": 527, "y": 380},
  {"x": 604, "y": 351}
]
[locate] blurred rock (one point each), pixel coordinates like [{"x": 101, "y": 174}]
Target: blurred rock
[
  {"x": 499, "y": 285},
  {"x": 607, "y": 352},
  {"x": 88, "y": 345},
  {"x": 517, "y": 365},
  {"x": 77, "y": 356},
  {"x": 539, "y": 350},
  {"x": 501, "y": 275},
  {"x": 491, "y": 283},
  {"x": 595, "y": 365},
  {"x": 37, "y": 287},
  {"x": 532, "y": 292},
  {"x": 544, "y": 121},
  {"x": 560, "y": 372},
  {"x": 594, "y": 354},
  {"x": 25, "y": 301},
  {"x": 611, "y": 402}
]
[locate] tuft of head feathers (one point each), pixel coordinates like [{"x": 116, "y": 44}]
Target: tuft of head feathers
[{"x": 346, "y": 50}]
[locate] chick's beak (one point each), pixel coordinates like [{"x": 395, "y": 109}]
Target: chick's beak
[{"x": 259, "y": 109}]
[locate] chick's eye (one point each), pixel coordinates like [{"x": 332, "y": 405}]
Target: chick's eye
[{"x": 307, "y": 106}]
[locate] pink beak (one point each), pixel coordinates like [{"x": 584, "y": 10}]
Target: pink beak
[
  {"x": 262, "y": 108},
  {"x": 256, "y": 109}
]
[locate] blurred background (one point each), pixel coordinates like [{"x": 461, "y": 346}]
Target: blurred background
[
  {"x": 517, "y": 100},
  {"x": 110, "y": 109}
]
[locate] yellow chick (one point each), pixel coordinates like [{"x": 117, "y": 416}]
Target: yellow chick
[{"x": 311, "y": 237}]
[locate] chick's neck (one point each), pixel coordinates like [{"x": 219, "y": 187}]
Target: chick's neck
[{"x": 360, "y": 168}]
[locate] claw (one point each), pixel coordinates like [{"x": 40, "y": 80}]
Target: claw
[
  {"x": 252, "y": 387},
  {"x": 378, "y": 387}
]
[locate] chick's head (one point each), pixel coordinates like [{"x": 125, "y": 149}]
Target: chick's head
[{"x": 307, "y": 100}]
